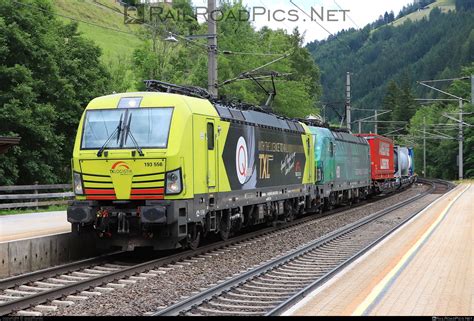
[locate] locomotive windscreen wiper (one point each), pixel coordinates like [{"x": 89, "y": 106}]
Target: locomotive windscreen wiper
[
  {"x": 128, "y": 132},
  {"x": 117, "y": 131}
]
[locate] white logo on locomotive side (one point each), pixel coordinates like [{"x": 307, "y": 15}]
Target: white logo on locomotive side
[{"x": 241, "y": 160}]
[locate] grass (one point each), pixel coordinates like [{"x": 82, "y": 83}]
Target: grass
[
  {"x": 115, "y": 38},
  {"x": 444, "y": 5},
  {"x": 51, "y": 208}
]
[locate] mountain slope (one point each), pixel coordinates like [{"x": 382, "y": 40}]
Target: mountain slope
[
  {"x": 443, "y": 5},
  {"x": 426, "y": 49},
  {"x": 102, "y": 22}
]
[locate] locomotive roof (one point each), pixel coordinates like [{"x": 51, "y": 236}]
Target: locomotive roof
[
  {"x": 348, "y": 137},
  {"x": 258, "y": 118},
  {"x": 155, "y": 99},
  {"x": 231, "y": 110},
  {"x": 199, "y": 106},
  {"x": 343, "y": 136}
]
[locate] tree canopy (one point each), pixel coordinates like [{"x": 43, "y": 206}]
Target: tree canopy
[
  {"x": 185, "y": 62},
  {"x": 442, "y": 145},
  {"x": 48, "y": 72},
  {"x": 431, "y": 48}
]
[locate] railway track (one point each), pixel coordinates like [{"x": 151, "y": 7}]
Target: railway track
[
  {"x": 45, "y": 290},
  {"x": 271, "y": 288}
]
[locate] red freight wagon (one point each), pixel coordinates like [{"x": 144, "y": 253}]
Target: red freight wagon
[{"x": 381, "y": 156}]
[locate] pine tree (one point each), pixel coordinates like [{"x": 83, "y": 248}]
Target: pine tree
[{"x": 389, "y": 103}]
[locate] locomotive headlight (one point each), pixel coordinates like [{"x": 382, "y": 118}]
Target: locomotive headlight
[
  {"x": 173, "y": 182},
  {"x": 78, "y": 184}
]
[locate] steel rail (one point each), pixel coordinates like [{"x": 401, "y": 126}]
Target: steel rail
[
  {"x": 200, "y": 298},
  {"x": 55, "y": 270},
  {"x": 317, "y": 283},
  {"x": 68, "y": 289},
  {"x": 55, "y": 293}
]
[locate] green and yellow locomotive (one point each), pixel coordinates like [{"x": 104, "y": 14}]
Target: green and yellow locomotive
[{"x": 164, "y": 170}]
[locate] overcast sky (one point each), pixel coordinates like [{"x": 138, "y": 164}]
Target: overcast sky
[{"x": 357, "y": 13}]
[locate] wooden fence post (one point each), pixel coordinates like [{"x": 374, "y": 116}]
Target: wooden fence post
[{"x": 36, "y": 192}]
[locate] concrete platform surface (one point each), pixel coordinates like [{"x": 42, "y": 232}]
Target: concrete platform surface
[
  {"x": 424, "y": 268},
  {"x": 20, "y": 226}
]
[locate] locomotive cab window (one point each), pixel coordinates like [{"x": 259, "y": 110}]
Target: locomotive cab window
[
  {"x": 210, "y": 136},
  {"x": 148, "y": 126}
]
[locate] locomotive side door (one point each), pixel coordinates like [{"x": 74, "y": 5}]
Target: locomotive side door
[
  {"x": 329, "y": 170},
  {"x": 211, "y": 154}
]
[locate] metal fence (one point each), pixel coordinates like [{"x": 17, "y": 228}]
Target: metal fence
[{"x": 21, "y": 196}]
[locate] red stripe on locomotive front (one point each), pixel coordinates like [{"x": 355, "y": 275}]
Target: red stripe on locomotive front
[
  {"x": 90, "y": 191},
  {"x": 147, "y": 197},
  {"x": 159, "y": 191},
  {"x": 101, "y": 197}
]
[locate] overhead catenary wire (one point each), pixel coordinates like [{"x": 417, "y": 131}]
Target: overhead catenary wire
[
  {"x": 329, "y": 32},
  {"x": 247, "y": 73},
  {"x": 230, "y": 52},
  {"x": 355, "y": 24},
  {"x": 205, "y": 46},
  {"x": 309, "y": 16},
  {"x": 265, "y": 77},
  {"x": 225, "y": 52},
  {"x": 444, "y": 80}
]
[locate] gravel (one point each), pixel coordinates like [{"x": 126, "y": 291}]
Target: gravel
[
  {"x": 165, "y": 289},
  {"x": 322, "y": 260}
]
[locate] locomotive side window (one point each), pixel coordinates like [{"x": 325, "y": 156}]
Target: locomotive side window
[
  {"x": 331, "y": 149},
  {"x": 210, "y": 136}
]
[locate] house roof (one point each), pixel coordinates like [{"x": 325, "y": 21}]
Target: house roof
[{"x": 7, "y": 142}]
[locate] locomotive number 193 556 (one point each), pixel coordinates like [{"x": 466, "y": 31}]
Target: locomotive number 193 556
[{"x": 154, "y": 164}]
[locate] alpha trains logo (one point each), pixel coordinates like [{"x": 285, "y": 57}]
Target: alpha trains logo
[
  {"x": 120, "y": 168},
  {"x": 241, "y": 160}
]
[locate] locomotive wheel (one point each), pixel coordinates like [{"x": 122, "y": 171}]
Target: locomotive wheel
[
  {"x": 225, "y": 227},
  {"x": 331, "y": 202},
  {"x": 194, "y": 238},
  {"x": 224, "y": 234},
  {"x": 350, "y": 201},
  {"x": 289, "y": 212}
]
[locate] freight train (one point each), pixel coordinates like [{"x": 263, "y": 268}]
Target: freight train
[{"x": 165, "y": 170}]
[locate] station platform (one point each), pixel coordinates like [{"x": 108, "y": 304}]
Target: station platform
[
  {"x": 20, "y": 226},
  {"x": 424, "y": 268}
]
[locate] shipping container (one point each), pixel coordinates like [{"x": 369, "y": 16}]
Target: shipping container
[
  {"x": 403, "y": 162},
  {"x": 411, "y": 153},
  {"x": 381, "y": 156}
]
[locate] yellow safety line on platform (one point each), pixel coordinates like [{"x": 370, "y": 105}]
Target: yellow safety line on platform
[{"x": 381, "y": 286}]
